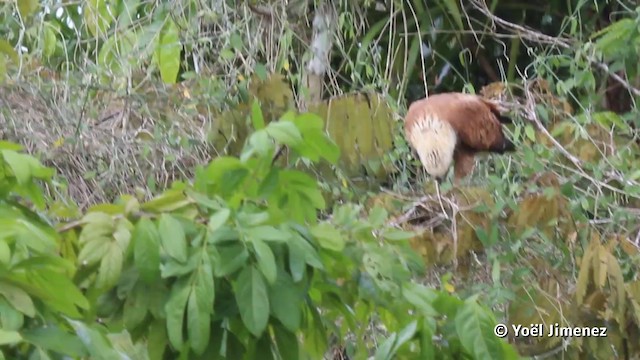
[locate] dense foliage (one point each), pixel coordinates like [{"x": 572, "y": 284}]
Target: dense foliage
[{"x": 228, "y": 180}]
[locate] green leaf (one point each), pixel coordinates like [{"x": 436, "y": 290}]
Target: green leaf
[
  {"x": 36, "y": 238},
  {"x": 287, "y": 343},
  {"x": 97, "y": 16},
  {"x": 136, "y": 306},
  {"x": 256, "y": 115},
  {"x": 218, "y": 219},
  {"x": 198, "y": 322},
  {"x": 175, "y": 308},
  {"x": 300, "y": 254},
  {"x": 232, "y": 258},
  {"x": 236, "y": 41},
  {"x": 156, "y": 340},
  {"x": 474, "y": 326},
  {"x": 110, "y": 267},
  {"x": 398, "y": 235},
  {"x": 328, "y": 236},
  {"x": 93, "y": 251},
  {"x": 60, "y": 293},
  {"x": 170, "y": 200},
  {"x": 168, "y": 52},
  {"x": 285, "y": 301},
  {"x": 18, "y": 166},
  {"x": 5, "y": 252},
  {"x": 7, "y": 49},
  {"x": 384, "y": 351},
  {"x": 284, "y": 132},
  {"x": 530, "y": 132},
  {"x": 27, "y": 7},
  {"x": 18, "y": 298},
  {"x": 172, "y": 237},
  {"x": 405, "y": 335},
  {"x": 267, "y": 233},
  {"x": 49, "y": 40},
  {"x": 9, "y": 337},
  {"x": 378, "y": 216},
  {"x": 55, "y": 339},
  {"x": 266, "y": 260},
  {"x": 146, "y": 250},
  {"x": 97, "y": 344},
  {"x": 252, "y": 299},
  {"x": 204, "y": 200},
  {"x": 421, "y": 297}
]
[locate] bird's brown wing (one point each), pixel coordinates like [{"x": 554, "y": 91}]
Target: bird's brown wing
[{"x": 475, "y": 121}]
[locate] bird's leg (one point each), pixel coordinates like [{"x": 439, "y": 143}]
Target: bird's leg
[{"x": 440, "y": 198}]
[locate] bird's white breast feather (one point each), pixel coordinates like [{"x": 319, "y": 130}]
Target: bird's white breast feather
[{"x": 434, "y": 140}]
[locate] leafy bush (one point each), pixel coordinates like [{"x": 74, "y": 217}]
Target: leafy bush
[{"x": 236, "y": 265}]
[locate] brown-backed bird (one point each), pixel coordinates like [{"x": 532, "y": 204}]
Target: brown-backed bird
[{"x": 453, "y": 127}]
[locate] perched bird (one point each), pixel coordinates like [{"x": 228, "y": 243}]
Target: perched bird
[{"x": 453, "y": 127}]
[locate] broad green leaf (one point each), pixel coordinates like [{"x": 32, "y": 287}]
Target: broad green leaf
[
  {"x": 259, "y": 143},
  {"x": 285, "y": 300},
  {"x": 427, "y": 348},
  {"x": 253, "y": 219},
  {"x": 93, "y": 251},
  {"x": 287, "y": 343},
  {"x": 55, "y": 339},
  {"x": 267, "y": 233},
  {"x": 27, "y": 7},
  {"x": 300, "y": 254},
  {"x": 36, "y": 238},
  {"x": 530, "y": 132},
  {"x": 378, "y": 216},
  {"x": 18, "y": 298},
  {"x": 170, "y": 200},
  {"x": 474, "y": 326},
  {"x": 146, "y": 250},
  {"x": 204, "y": 200},
  {"x": 397, "y": 235},
  {"x": 172, "y": 237},
  {"x": 97, "y": 16},
  {"x": 157, "y": 340},
  {"x": 49, "y": 40},
  {"x": 232, "y": 258},
  {"x": 266, "y": 260},
  {"x": 128, "y": 12},
  {"x": 9, "y": 337},
  {"x": 236, "y": 41},
  {"x": 10, "y": 318},
  {"x": 198, "y": 323},
  {"x": 328, "y": 236},
  {"x": 168, "y": 51},
  {"x": 284, "y": 132},
  {"x": 252, "y": 299},
  {"x": 136, "y": 305},
  {"x": 385, "y": 350},
  {"x": 7, "y": 49},
  {"x": 256, "y": 115},
  {"x": 421, "y": 297},
  {"x": 5, "y": 252},
  {"x": 60, "y": 293},
  {"x": 218, "y": 219},
  {"x": 204, "y": 285},
  {"x": 96, "y": 343},
  {"x": 18, "y": 165},
  {"x": 405, "y": 335},
  {"x": 175, "y": 308},
  {"x": 110, "y": 267}
]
